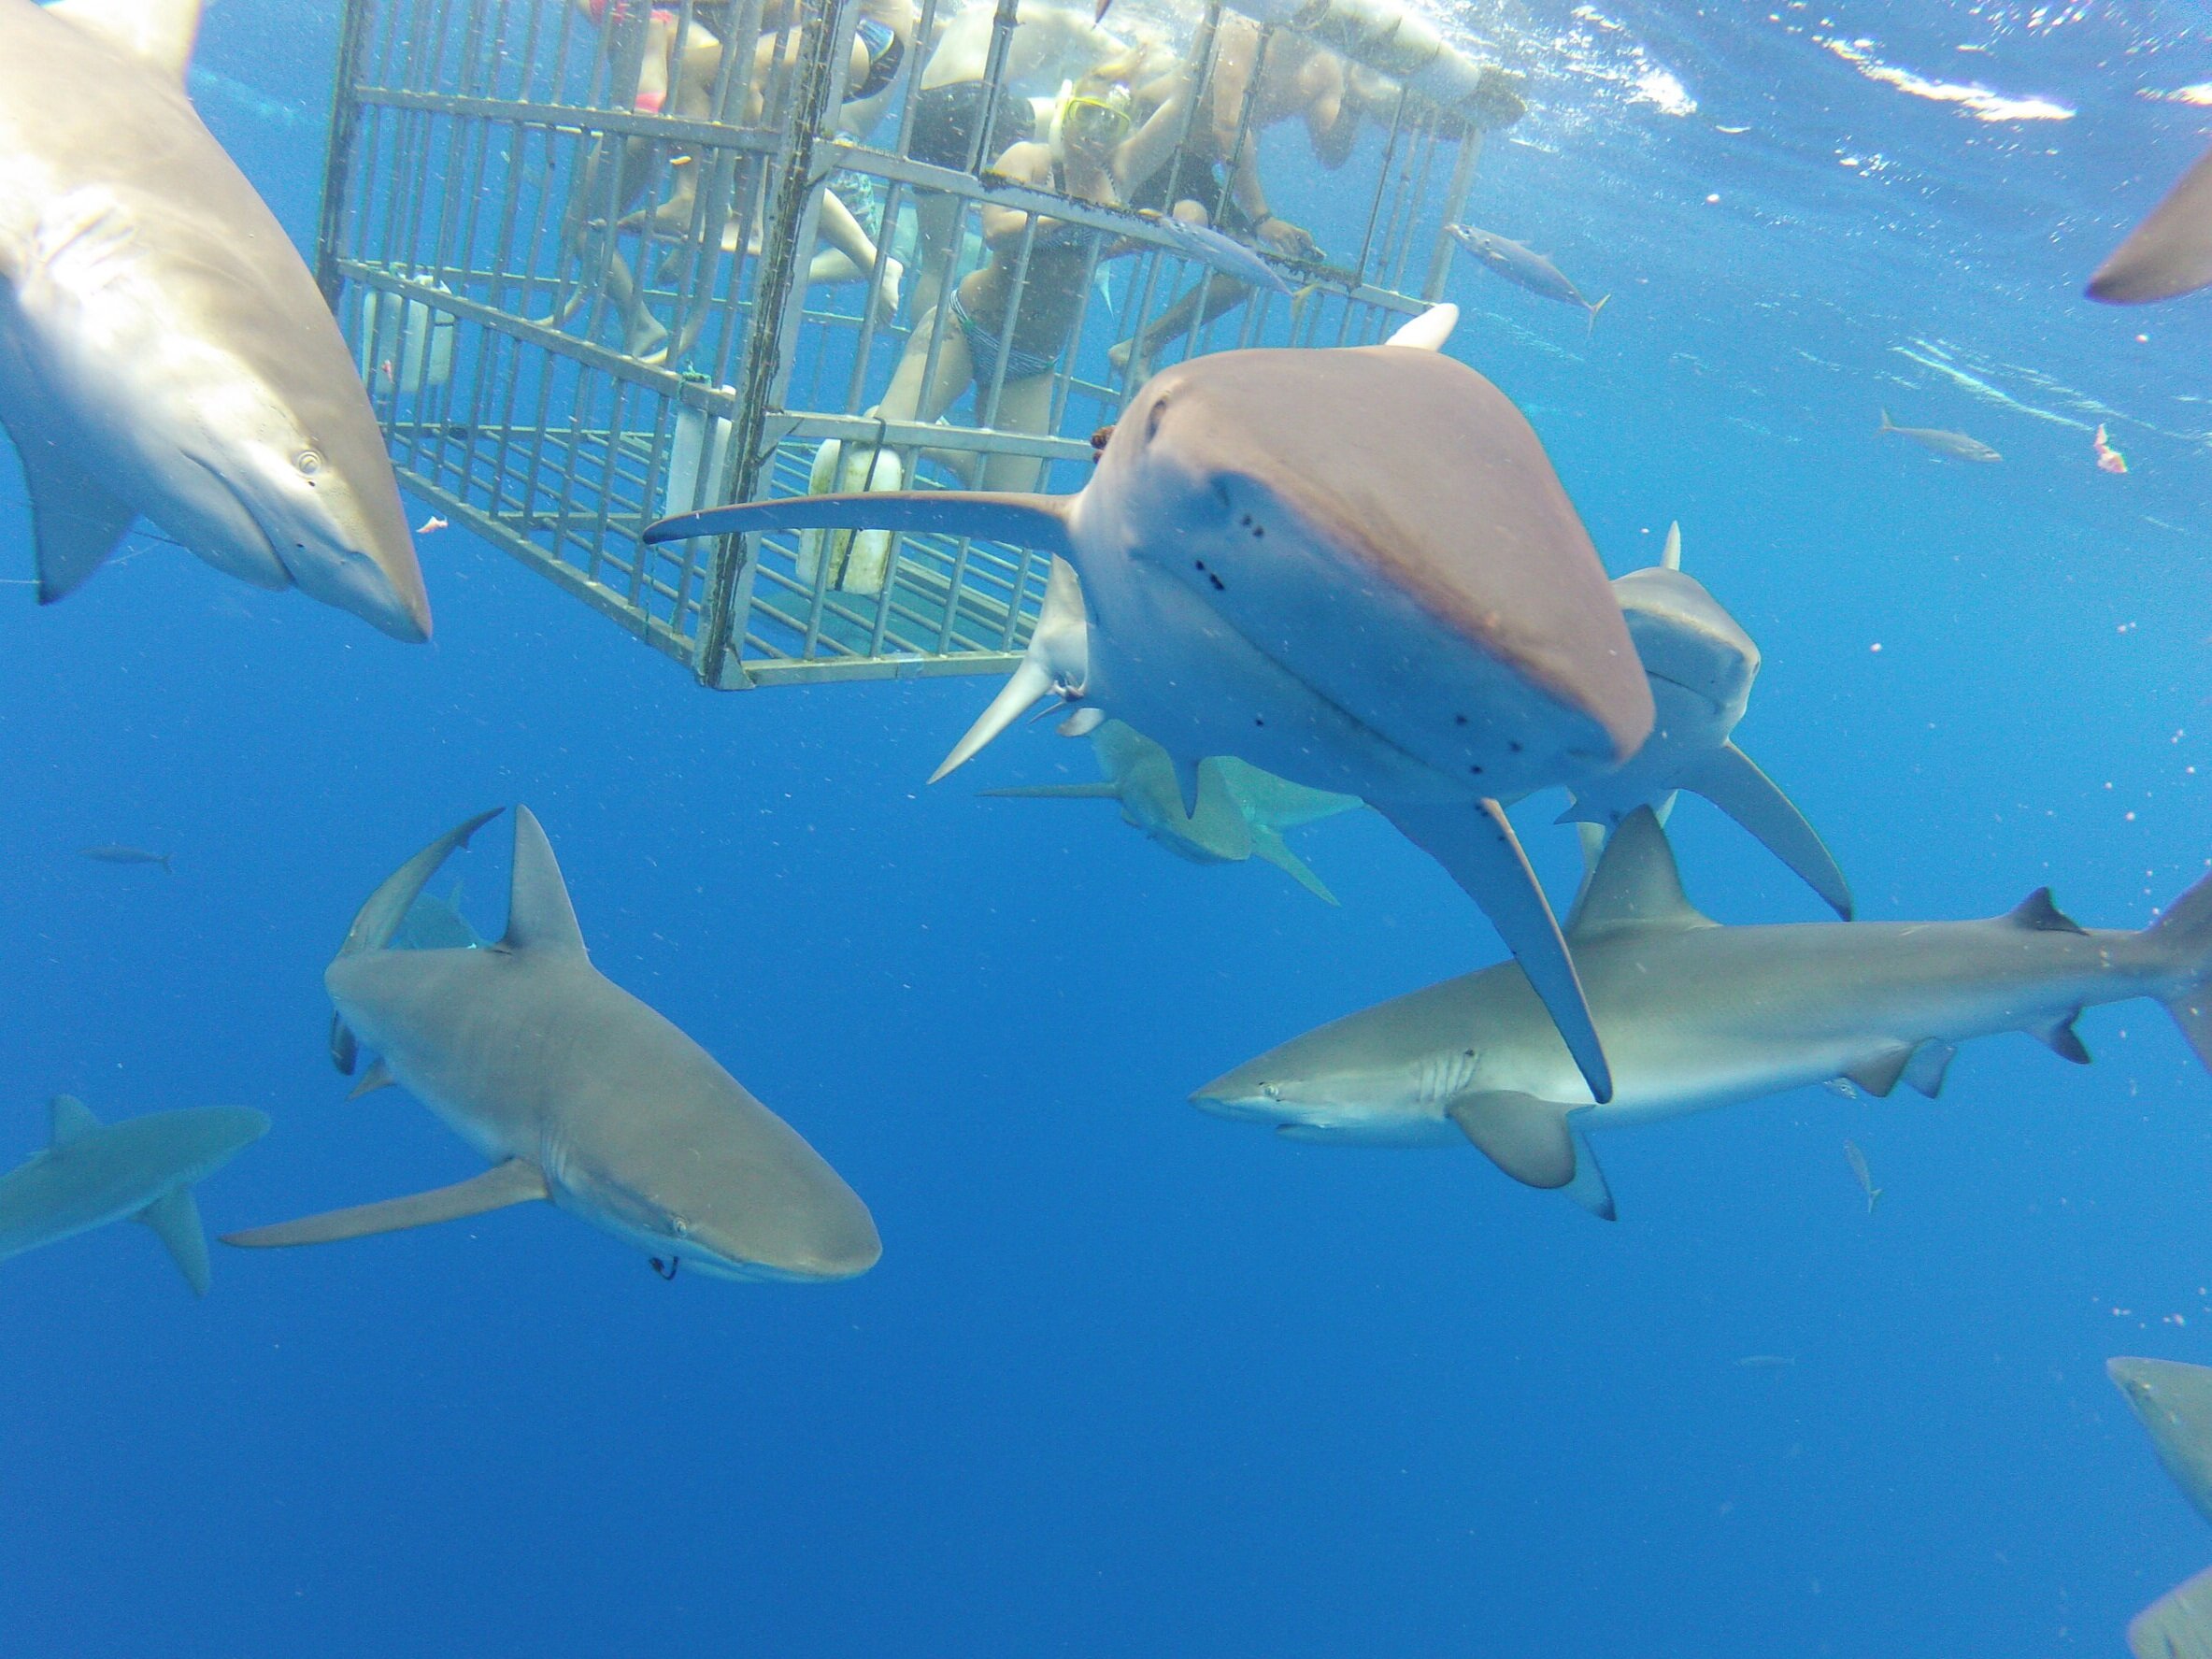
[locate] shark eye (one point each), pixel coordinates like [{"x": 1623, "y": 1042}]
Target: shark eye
[
  {"x": 1271, "y": 1092},
  {"x": 308, "y": 462}
]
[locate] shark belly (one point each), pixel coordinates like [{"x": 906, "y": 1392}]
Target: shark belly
[{"x": 1169, "y": 664}]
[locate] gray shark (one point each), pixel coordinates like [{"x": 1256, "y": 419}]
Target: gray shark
[
  {"x": 1353, "y": 567},
  {"x": 164, "y": 352},
  {"x": 1701, "y": 664},
  {"x": 142, "y": 1169},
  {"x": 1241, "y": 812},
  {"x": 1695, "y": 1015},
  {"x": 2170, "y": 252},
  {"x": 1523, "y": 267},
  {"x": 578, "y": 1092},
  {"x": 2173, "y": 1402},
  {"x": 2177, "y": 1625}
]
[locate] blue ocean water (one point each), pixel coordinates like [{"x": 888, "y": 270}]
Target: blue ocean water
[{"x": 1129, "y": 1379}]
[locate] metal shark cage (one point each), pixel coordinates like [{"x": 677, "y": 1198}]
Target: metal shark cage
[{"x": 579, "y": 312}]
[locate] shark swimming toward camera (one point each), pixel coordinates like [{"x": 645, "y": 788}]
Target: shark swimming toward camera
[
  {"x": 1241, "y": 812},
  {"x": 1353, "y": 567},
  {"x": 2170, "y": 253},
  {"x": 2173, "y": 1402},
  {"x": 1695, "y": 1016},
  {"x": 141, "y": 1169},
  {"x": 164, "y": 352},
  {"x": 578, "y": 1092},
  {"x": 1701, "y": 664}
]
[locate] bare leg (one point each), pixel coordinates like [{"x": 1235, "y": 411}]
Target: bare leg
[
  {"x": 1023, "y": 405},
  {"x": 1201, "y": 305}
]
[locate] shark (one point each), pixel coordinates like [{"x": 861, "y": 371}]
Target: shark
[
  {"x": 164, "y": 352},
  {"x": 2170, "y": 252},
  {"x": 1523, "y": 267},
  {"x": 2173, "y": 1402},
  {"x": 142, "y": 1169},
  {"x": 577, "y": 1094},
  {"x": 1353, "y": 568},
  {"x": 1697, "y": 1016},
  {"x": 1241, "y": 812},
  {"x": 1701, "y": 664}
]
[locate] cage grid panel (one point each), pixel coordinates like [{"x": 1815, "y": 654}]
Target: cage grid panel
[{"x": 577, "y": 316}]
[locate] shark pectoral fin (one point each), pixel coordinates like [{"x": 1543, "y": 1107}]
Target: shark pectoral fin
[
  {"x": 1268, "y": 845},
  {"x": 1731, "y": 780},
  {"x": 1878, "y": 1074},
  {"x": 378, "y": 1075},
  {"x": 68, "y": 1119},
  {"x": 1025, "y": 521},
  {"x": 1218, "y": 824},
  {"x": 1478, "y": 849},
  {"x": 380, "y": 918},
  {"x": 2061, "y": 1039},
  {"x": 1526, "y": 1137},
  {"x": 515, "y": 1182},
  {"x": 175, "y": 1217},
  {"x": 75, "y": 521},
  {"x": 1928, "y": 1066}
]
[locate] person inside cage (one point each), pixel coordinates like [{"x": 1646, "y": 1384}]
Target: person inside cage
[
  {"x": 966, "y": 121},
  {"x": 679, "y": 72},
  {"x": 1216, "y": 176},
  {"x": 1005, "y": 326}
]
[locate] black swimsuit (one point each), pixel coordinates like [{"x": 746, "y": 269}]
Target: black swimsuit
[{"x": 947, "y": 118}]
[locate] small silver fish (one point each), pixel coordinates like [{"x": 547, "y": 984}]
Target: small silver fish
[
  {"x": 1524, "y": 267},
  {"x": 1957, "y": 445},
  {"x": 125, "y": 855},
  {"x": 1225, "y": 253},
  {"x": 1857, "y": 1159},
  {"x": 1766, "y": 1362}
]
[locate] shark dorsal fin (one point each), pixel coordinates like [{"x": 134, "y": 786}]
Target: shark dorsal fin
[
  {"x": 160, "y": 34},
  {"x": 1429, "y": 331},
  {"x": 69, "y": 1119},
  {"x": 1636, "y": 884},
  {"x": 1670, "y": 557},
  {"x": 2037, "y": 913},
  {"x": 538, "y": 914}
]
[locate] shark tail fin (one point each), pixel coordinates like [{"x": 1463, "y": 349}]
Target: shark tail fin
[
  {"x": 1593, "y": 311},
  {"x": 515, "y": 1182},
  {"x": 1887, "y": 426},
  {"x": 174, "y": 1217},
  {"x": 1268, "y": 844},
  {"x": 2185, "y": 930}
]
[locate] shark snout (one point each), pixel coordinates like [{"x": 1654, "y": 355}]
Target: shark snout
[{"x": 339, "y": 549}]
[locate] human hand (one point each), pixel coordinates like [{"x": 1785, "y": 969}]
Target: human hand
[{"x": 1290, "y": 240}]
